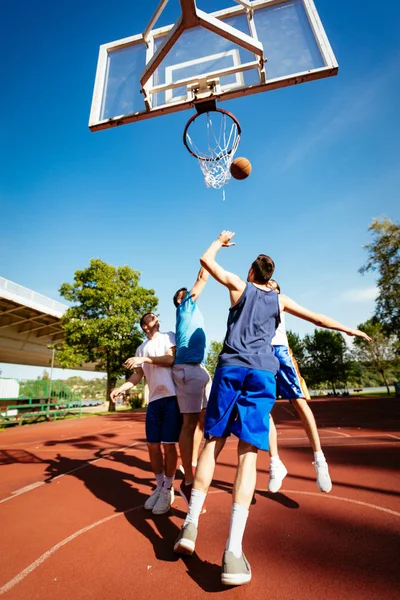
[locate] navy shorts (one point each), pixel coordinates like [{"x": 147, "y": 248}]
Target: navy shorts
[
  {"x": 163, "y": 421},
  {"x": 240, "y": 403},
  {"x": 290, "y": 383}
]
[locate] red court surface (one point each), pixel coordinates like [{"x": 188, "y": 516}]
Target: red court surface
[{"x": 73, "y": 523}]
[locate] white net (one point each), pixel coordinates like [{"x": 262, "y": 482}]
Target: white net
[{"x": 220, "y": 136}]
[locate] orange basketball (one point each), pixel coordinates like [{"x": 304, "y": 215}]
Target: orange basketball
[{"x": 240, "y": 168}]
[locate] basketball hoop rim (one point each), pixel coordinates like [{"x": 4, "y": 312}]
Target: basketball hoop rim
[{"x": 194, "y": 117}]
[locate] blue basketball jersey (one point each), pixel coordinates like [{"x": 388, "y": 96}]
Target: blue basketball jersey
[{"x": 252, "y": 323}]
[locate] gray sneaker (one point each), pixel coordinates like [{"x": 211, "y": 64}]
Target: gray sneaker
[
  {"x": 186, "y": 540},
  {"x": 235, "y": 571}
]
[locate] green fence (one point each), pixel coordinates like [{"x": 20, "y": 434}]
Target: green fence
[{"x": 40, "y": 399}]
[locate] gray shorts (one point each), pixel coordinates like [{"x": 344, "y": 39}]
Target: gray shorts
[{"x": 193, "y": 384}]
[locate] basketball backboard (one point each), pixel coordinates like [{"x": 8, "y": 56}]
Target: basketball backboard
[{"x": 251, "y": 47}]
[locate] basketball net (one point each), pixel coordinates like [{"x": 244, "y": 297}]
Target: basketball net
[{"x": 222, "y": 141}]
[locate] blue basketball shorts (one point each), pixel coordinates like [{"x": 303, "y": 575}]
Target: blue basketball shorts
[
  {"x": 290, "y": 383},
  {"x": 240, "y": 402},
  {"x": 163, "y": 421}
]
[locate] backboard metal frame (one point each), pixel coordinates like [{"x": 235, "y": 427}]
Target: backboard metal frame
[{"x": 194, "y": 17}]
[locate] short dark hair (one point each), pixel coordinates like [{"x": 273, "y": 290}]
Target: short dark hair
[
  {"x": 143, "y": 318},
  {"x": 263, "y": 268},
  {"x": 175, "y": 298},
  {"x": 276, "y": 283}
]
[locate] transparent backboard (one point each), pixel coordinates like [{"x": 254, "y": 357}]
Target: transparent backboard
[{"x": 294, "y": 49}]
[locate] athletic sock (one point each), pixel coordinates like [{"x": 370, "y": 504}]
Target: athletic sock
[
  {"x": 237, "y": 527},
  {"x": 275, "y": 460},
  {"x": 319, "y": 456},
  {"x": 160, "y": 480},
  {"x": 195, "y": 507},
  {"x": 168, "y": 481}
]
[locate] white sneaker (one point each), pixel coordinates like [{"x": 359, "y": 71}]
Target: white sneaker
[
  {"x": 277, "y": 474},
  {"x": 152, "y": 500},
  {"x": 164, "y": 501},
  {"x": 323, "y": 479}
]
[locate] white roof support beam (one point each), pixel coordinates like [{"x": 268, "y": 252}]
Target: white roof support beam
[{"x": 194, "y": 17}]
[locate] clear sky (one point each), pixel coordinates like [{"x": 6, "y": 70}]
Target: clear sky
[{"x": 325, "y": 161}]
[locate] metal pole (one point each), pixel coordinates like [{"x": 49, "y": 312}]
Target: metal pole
[{"x": 53, "y": 351}]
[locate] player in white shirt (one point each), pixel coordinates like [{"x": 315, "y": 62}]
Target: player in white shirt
[
  {"x": 154, "y": 359},
  {"x": 292, "y": 387}
]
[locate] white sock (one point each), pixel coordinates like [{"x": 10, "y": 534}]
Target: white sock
[
  {"x": 319, "y": 456},
  {"x": 195, "y": 507},
  {"x": 275, "y": 460},
  {"x": 168, "y": 481},
  {"x": 237, "y": 527},
  {"x": 160, "y": 480}
]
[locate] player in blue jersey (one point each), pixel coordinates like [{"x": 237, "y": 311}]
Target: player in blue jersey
[{"x": 241, "y": 398}]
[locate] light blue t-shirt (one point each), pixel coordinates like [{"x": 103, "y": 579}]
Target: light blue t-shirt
[{"x": 190, "y": 334}]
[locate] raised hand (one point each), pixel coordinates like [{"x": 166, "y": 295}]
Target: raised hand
[
  {"x": 358, "y": 333},
  {"x": 225, "y": 238}
]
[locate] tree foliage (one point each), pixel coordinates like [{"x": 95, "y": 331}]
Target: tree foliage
[
  {"x": 380, "y": 353},
  {"x": 212, "y": 357},
  {"x": 102, "y": 326},
  {"x": 327, "y": 359},
  {"x": 384, "y": 257}
]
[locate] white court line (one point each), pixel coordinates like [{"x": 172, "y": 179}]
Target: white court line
[
  {"x": 393, "y": 436},
  {"x": 33, "y": 566},
  {"x": 74, "y": 437},
  {"x": 37, "y": 484},
  {"x": 350, "y": 500},
  {"x": 18, "y": 578},
  {"x": 336, "y": 432}
]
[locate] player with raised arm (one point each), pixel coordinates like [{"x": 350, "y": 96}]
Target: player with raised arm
[
  {"x": 190, "y": 376},
  {"x": 241, "y": 398},
  {"x": 154, "y": 359}
]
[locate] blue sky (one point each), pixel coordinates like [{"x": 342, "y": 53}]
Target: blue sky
[{"x": 325, "y": 159}]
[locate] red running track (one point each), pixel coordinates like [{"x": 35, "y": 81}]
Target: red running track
[{"x": 73, "y": 526}]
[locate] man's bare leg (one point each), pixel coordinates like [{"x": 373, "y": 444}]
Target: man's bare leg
[
  {"x": 186, "y": 541},
  {"x": 310, "y": 427},
  {"x": 157, "y": 465},
  {"x": 198, "y": 438},
  {"x": 308, "y": 421},
  {"x": 171, "y": 459},
  {"x": 186, "y": 443},
  {"x": 273, "y": 438},
  {"x": 235, "y": 568}
]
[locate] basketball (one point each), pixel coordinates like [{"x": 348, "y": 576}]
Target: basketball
[{"x": 240, "y": 168}]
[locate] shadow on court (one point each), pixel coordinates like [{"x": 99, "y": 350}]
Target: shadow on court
[{"x": 121, "y": 491}]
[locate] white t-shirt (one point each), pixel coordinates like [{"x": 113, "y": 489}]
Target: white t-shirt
[
  {"x": 280, "y": 338},
  {"x": 159, "y": 379}
]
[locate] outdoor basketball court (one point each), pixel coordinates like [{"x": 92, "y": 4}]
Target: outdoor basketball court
[{"x": 73, "y": 523}]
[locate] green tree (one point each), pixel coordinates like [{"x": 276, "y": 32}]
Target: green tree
[
  {"x": 384, "y": 257},
  {"x": 297, "y": 346},
  {"x": 327, "y": 358},
  {"x": 380, "y": 353},
  {"x": 102, "y": 326},
  {"x": 212, "y": 357}
]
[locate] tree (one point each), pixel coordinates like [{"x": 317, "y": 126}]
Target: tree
[
  {"x": 102, "y": 326},
  {"x": 327, "y": 358},
  {"x": 380, "y": 353},
  {"x": 212, "y": 357},
  {"x": 297, "y": 346},
  {"x": 384, "y": 257}
]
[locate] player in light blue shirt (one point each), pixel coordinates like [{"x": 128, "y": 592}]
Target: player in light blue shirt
[{"x": 191, "y": 379}]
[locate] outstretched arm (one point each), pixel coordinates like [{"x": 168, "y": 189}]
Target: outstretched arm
[
  {"x": 291, "y": 307},
  {"x": 132, "y": 381},
  {"x": 234, "y": 284},
  {"x": 162, "y": 361},
  {"x": 201, "y": 281}
]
